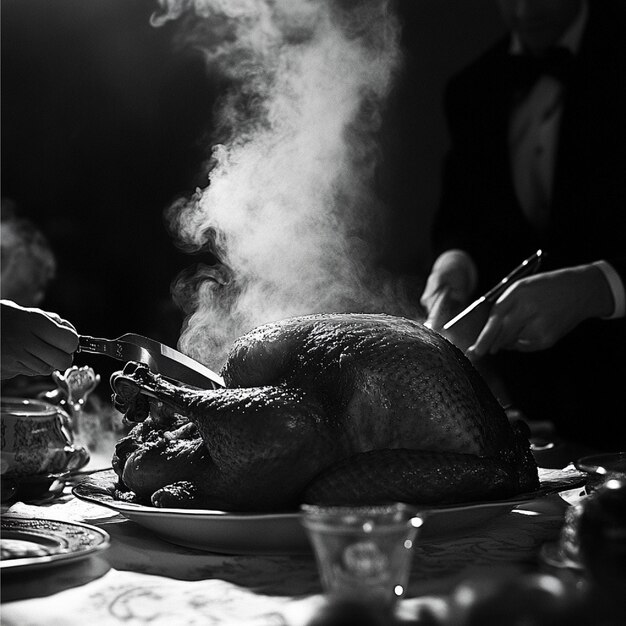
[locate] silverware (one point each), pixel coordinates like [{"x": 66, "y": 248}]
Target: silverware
[
  {"x": 161, "y": 359},
  {"x": 525, "y": 268}
]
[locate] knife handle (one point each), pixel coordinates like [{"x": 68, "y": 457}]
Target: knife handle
[
  {"x": 525, "y": 268},
  {"x": 97, "y": 345}
]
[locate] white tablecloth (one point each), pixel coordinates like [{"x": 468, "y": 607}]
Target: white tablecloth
[{"x": 141, "y": 579}]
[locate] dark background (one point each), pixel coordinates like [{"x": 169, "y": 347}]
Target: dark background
[{"x": 104, "y": 125}]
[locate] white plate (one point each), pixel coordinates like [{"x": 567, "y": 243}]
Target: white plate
[
  {"x": 282, "y": 533},
  {"x": 36, "y": 543}
]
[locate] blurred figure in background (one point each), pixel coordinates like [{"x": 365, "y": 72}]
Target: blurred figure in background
[
  {"x": 27, "y": 262},
  {"x": 538, "y": 161},
  {"x": 33, "y": 342}
]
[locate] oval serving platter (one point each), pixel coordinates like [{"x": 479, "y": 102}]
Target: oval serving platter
[{"x": 282, "y": 533}]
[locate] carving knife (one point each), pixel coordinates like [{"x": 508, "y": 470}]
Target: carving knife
[
  {"x": 525, "y": 268},
  {"x": 161, "y": 359}
]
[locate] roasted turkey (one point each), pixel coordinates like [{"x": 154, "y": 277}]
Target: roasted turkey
[{"x": 334, "y": 408}]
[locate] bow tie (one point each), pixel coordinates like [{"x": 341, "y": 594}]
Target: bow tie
[{"x": 526, "y": 69}]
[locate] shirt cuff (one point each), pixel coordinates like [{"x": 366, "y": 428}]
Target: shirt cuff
[{"x": 617, "y": 288}]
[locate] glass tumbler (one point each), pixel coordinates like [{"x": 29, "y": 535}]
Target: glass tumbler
[
  {"x": 600, "y": 468},
  {"x": 363, "y": 552}
]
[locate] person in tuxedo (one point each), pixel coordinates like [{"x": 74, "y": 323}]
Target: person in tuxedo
[{"x": 538, "y": 161}]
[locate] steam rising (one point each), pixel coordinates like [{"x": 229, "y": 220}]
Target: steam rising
[{"x": 289, "y": 207}]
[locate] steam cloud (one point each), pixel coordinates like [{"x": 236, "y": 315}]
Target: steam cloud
[{"x": 289, "y": 208}]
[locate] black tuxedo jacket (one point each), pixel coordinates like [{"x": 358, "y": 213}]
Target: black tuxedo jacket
[{"x": 479, "y": 212}]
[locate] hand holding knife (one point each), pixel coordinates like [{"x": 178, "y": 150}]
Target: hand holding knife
[
  {"x": 464, "y": 327},
  {"x": 525, "y": 268}
]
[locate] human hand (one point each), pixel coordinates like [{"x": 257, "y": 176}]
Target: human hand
[
  {"x": 35, "y": 342},
  {"x": 448, "y": 287},
  {"x": 535, "y": 312}
]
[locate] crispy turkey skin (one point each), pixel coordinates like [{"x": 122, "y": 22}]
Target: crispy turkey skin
[{"x": 332, "y": 408}]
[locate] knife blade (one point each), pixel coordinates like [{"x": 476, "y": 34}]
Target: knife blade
[
  {"x": 525, "y": 268},
  {"x": 161, "y": 359}
]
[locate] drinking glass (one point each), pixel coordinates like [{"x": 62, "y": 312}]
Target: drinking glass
[{"x": 365, "y": 551}]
